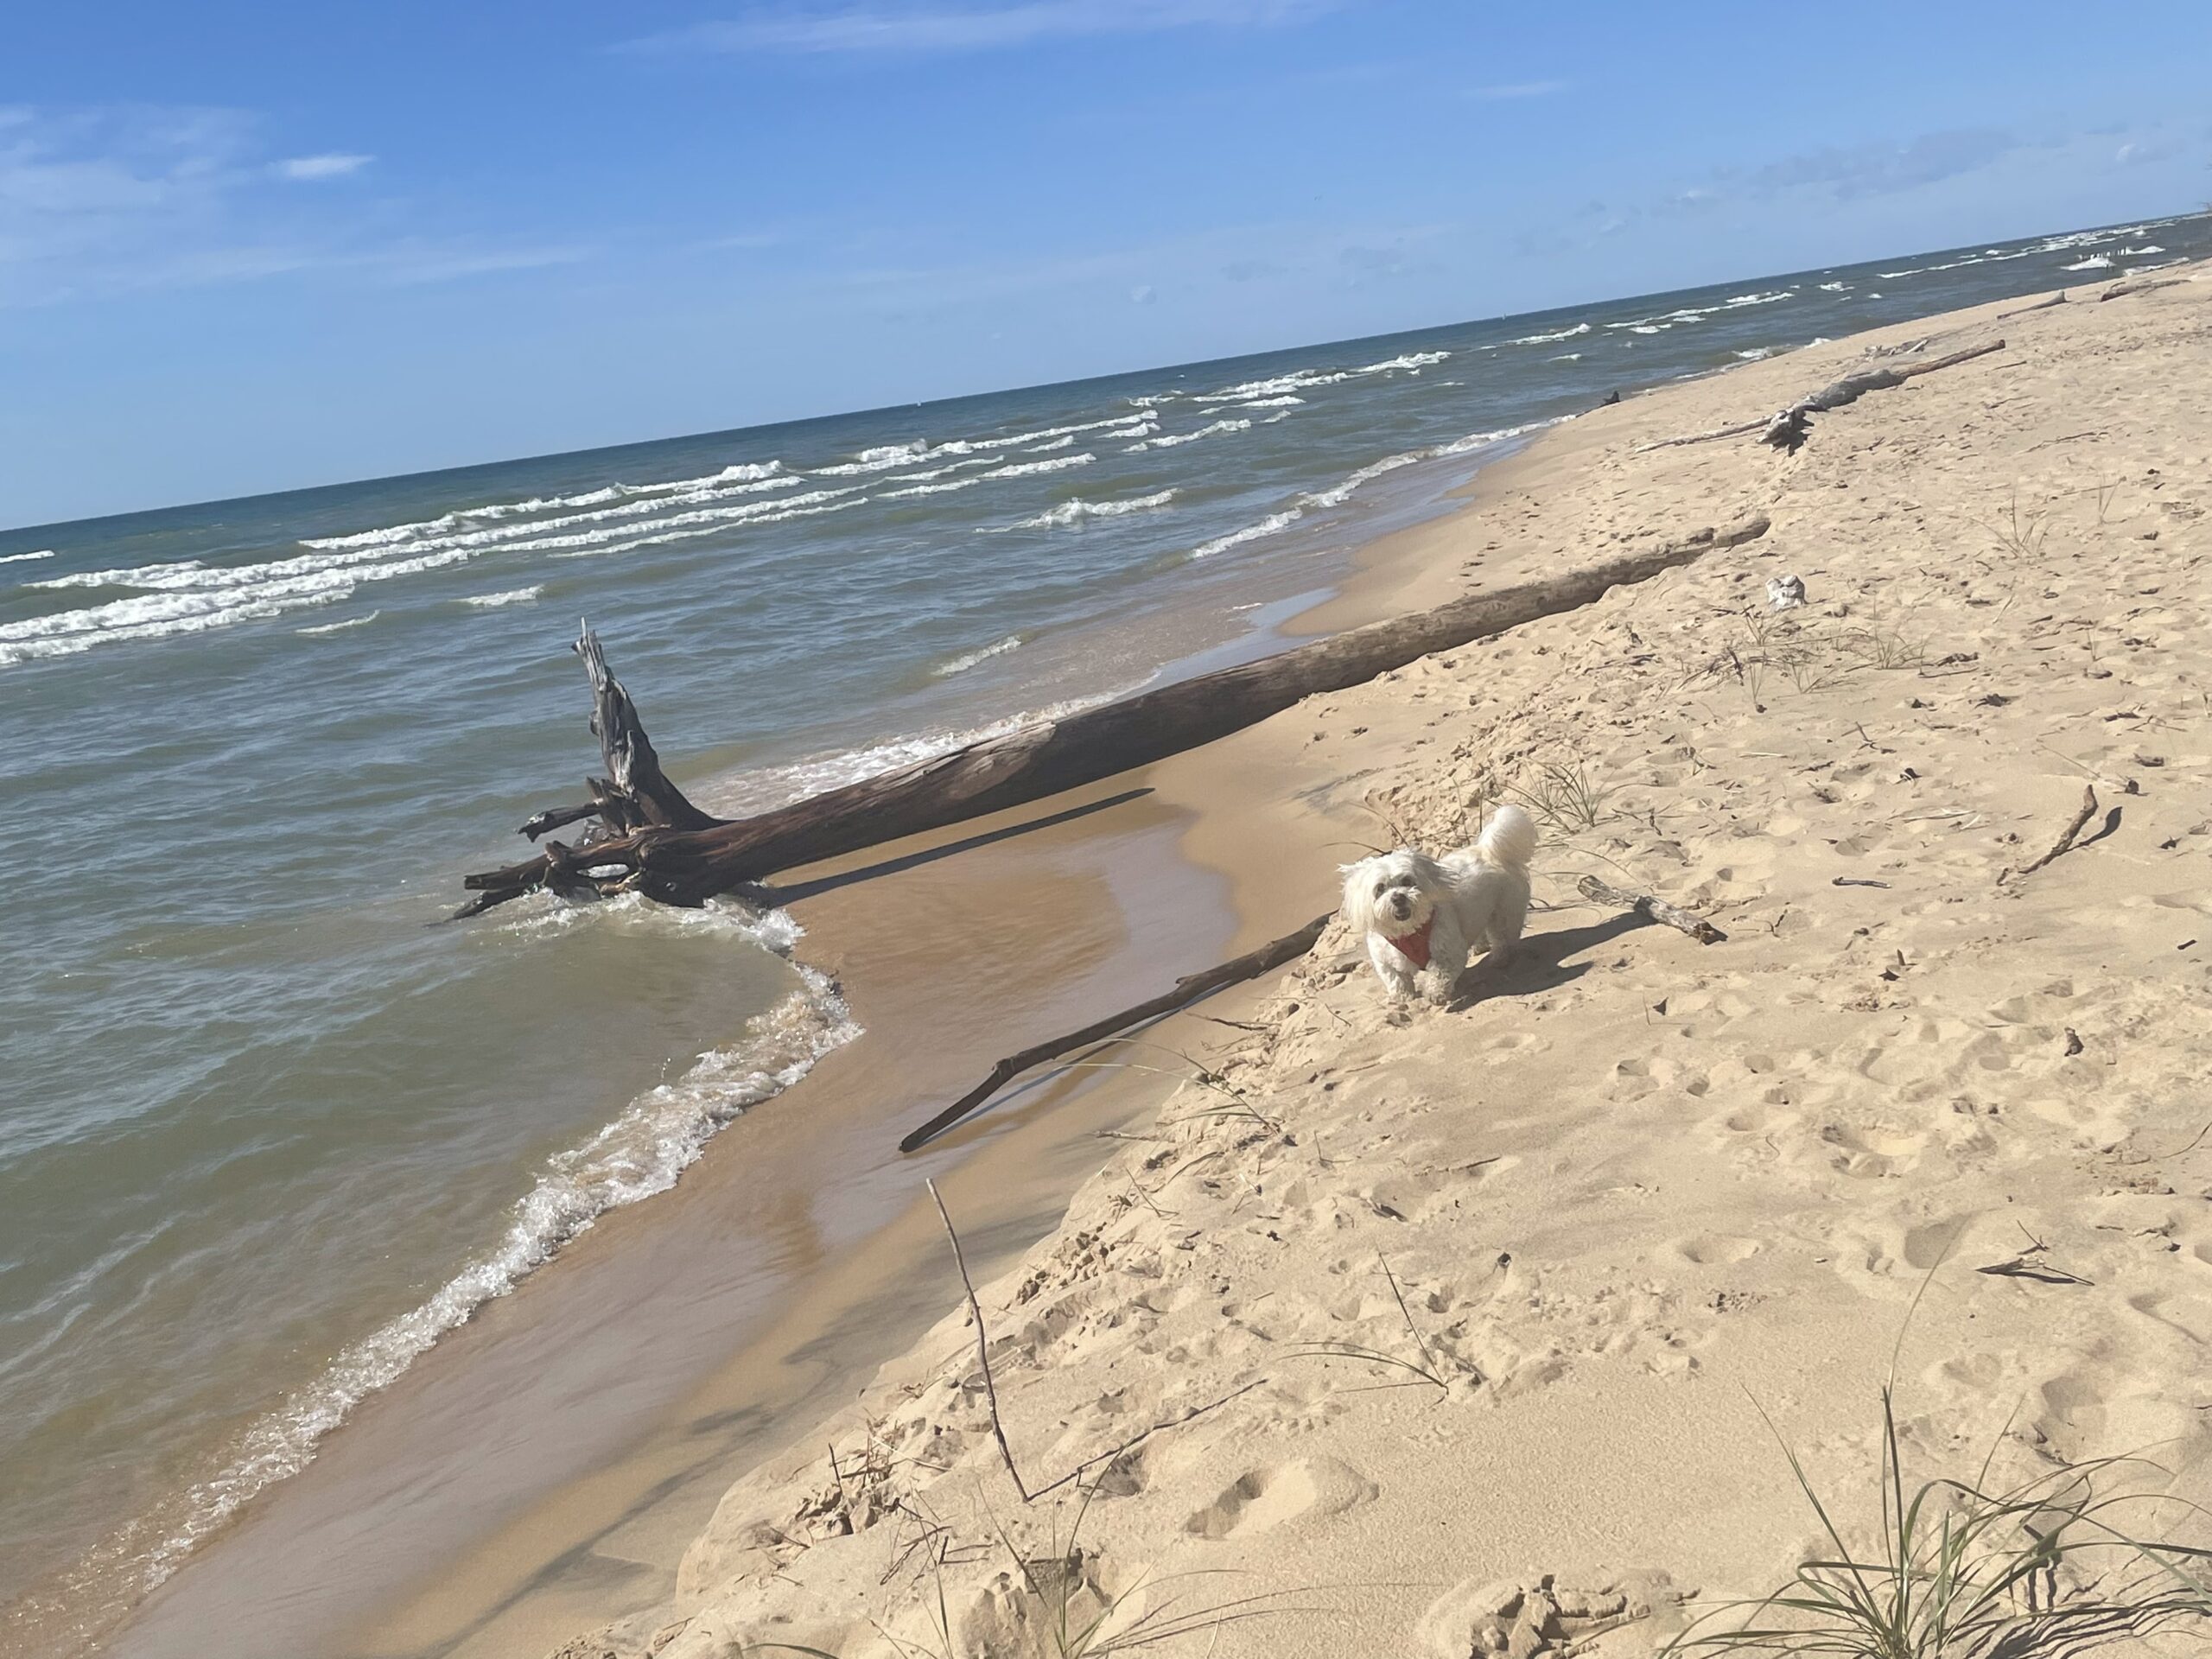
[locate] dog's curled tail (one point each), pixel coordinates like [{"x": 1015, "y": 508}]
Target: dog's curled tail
[{"x": 1508, "y": 839}]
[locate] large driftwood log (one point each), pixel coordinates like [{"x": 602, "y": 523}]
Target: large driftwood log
[
  {"x": 651, "y": 840},
  {"x": 1188, "y": 989}
]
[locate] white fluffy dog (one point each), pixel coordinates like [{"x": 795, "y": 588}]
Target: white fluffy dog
[{"x": 1423, "y": 916}]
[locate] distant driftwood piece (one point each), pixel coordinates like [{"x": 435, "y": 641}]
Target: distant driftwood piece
[
  {"x": 649, "y": 839},
  {"x": 2119, "y": 288},
  {"x": 1644, "y": 905},
  {"x": 1787, "y": 429},
  {"x": 1187, "y": 989}
]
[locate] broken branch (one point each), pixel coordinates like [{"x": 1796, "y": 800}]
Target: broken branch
[
  {"x": 1787, "y": 429},
  {"x": 2064, "y": 844},
  {"x": 1658, "y": 910},
  {"x": 982, "y": 1342}
]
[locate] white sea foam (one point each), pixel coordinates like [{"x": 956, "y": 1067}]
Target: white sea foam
[
  {"x": 1659, "y": 323},
  {"x": 1546, "y": 339},
  {"x": 960, "y": 664},
  {"x": 1835, "y": 287},
  {"x": 930, "y": 489},
  {"x": 640, "y": 1153},
  {"x": 757, "y": 474},
  {"x": 1337, "y": 494},
  {"x": 877, "y": 460},
  {"x": 2124, "y": 253},
  {"x": 938, "y": 472},
  {"x": 1031, "y": 468},
  {"x": 1410, "y": 360},
  {"x": 1170, "y": 439},
  {"x": 872, "y": 461},
  {"x": 2094, "y": 262},
  {"x": 596, "y": 545},
  {"x": 1302, "y": 379},
  {"x": 1284, "y": 401},
  {"x": 1047, "y": 448},
  {"x": 340, "y": 627},
  {"x": 1566, "y": 357},
  {"x": 506, "y": 596},
  {"x": 1077, "y": 512},
  {"x": 1266, "y": 526},
  {"x": 47, "y": 552},
  {"x": 190, "y": 597},
  {"x": 1756, "y": 353}
]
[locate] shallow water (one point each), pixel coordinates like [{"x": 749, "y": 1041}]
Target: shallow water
[{"x": 266, "y": 1134}]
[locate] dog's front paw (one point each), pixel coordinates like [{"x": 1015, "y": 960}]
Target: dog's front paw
[{"x": 1435, "y": 989}]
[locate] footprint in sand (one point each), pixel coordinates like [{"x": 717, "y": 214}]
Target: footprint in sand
[
  {"x": 1929, "y": 1242},
  {"x": 1712, "y": 1250},
  {"x": 1267, "y": 1497}
]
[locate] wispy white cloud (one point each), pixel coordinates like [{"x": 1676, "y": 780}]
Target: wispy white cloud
[
  {"x": 1517, "y": 89},
  {"x": 309, "y": 169},
  {"x": 927, "y": 28},
  {"x": 100, "y": 202}
]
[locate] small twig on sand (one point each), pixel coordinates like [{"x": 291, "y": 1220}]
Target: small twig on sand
[
  {"x": 982, "y": 1342},
  {"x": 2026, "y": 1265},
  {"x": 1644, "y": 905},
  {"x": 991, "y": 1391},
  {"x": 2064, "y": 844}
]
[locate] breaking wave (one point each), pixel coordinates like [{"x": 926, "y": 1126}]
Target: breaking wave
[
  {"x": 1077, "y": 512},
  {"x": 639, "y": 1154},
  {"x": 960, "y": 664}
]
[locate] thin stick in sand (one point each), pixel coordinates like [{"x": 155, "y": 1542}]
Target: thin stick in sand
[
  {"x": 2064, "y": 844},
  {"x": 991, "y": 1390},
  {"x": 1658, "y": 910},
  {"x": 982, "y": 1342}
]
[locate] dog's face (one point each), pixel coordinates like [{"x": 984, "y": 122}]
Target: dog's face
[{"x": 1393, "y": 894}]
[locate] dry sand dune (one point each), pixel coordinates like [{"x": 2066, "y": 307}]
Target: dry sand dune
[{"x": 1482, "y": 1310}]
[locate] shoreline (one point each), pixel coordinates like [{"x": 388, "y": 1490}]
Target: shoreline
[
  {"x": 1226, "y": 814},
  {"x": 1020, "y": 1162},
  {"x": 1830, "y": 1313}
]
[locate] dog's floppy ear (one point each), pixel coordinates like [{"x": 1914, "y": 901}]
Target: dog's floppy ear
[{"x": 1359, "y": 902}]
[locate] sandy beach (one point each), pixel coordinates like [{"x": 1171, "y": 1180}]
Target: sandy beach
[{"x": 1445, "y": 1315}]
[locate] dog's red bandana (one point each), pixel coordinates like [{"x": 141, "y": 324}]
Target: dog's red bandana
[{"x": 1414, "y": 946}]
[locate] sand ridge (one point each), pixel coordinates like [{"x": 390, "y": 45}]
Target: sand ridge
[{"x": 1461, "y": 1327}]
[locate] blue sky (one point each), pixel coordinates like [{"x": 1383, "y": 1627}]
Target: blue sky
[{"x": 246, "y": 246}]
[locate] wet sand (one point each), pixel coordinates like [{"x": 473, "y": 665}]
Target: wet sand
[{"x": 662, "y": 1351}]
